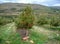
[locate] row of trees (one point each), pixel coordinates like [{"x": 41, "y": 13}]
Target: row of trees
[{"x": 53, "y": 20}]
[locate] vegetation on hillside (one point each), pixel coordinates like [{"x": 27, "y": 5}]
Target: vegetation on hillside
[{"x": 45, "y": 19}]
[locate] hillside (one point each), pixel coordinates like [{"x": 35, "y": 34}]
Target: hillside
[
  {"x": 42, "y": 27},
  {"x": 16, "y": 8},
  {"x": 56, "y": 7}
]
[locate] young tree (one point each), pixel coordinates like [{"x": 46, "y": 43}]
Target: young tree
[{"x": 25, "y": 20}]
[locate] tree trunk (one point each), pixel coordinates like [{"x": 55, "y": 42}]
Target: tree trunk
[{"x": 23, "y": 32}]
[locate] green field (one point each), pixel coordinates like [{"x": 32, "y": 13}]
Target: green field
[{"x": 39, "y": 35}]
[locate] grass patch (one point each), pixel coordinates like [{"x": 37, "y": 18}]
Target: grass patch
[
  {"x": 7, "y": 36},
  {"x": 38, "y": 38}
]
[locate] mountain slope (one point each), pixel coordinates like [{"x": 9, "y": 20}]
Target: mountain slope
[
  {"x": 56, "y": 7},
  {"x": 16, "y": 8}
]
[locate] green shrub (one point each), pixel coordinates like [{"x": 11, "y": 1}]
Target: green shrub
[
  {"x": 42, "y": 20},
  {"x": 4, "y": 20},
  {"x": 55, "y": 21},
  {"x": 26, "y": 18}
]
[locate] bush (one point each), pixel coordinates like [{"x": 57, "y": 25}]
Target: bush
[
  {"x": 4, "y": 20},
  {"x": 55, "y": 21},
  {"x": 42, "y": 20},
  {"x": 13, "y": 8}
]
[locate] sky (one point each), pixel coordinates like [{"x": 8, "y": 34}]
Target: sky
[{"x": 42, "y": 2}]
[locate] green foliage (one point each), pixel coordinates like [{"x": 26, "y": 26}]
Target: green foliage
[
  {"x": 38, "y": 38},
  {"x": 13, "y": 9},
  {"x": 52, "y": 20},
  {"x": 8, "y": 35},
  {"x": 42, "y": 19},
  {"x": 2, "y": 11},
  {"x": 5, "y": 20},
  {"x": 26, "y": 18},
  {"x": 55, "y": 20},
  {"x": 55, "y": 27},
  {"x": 57, "y": 38}
]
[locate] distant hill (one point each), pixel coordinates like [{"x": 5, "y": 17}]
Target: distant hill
[
  {"x": 16, "y": 8},
  {"x": 56, "y": 7}
]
